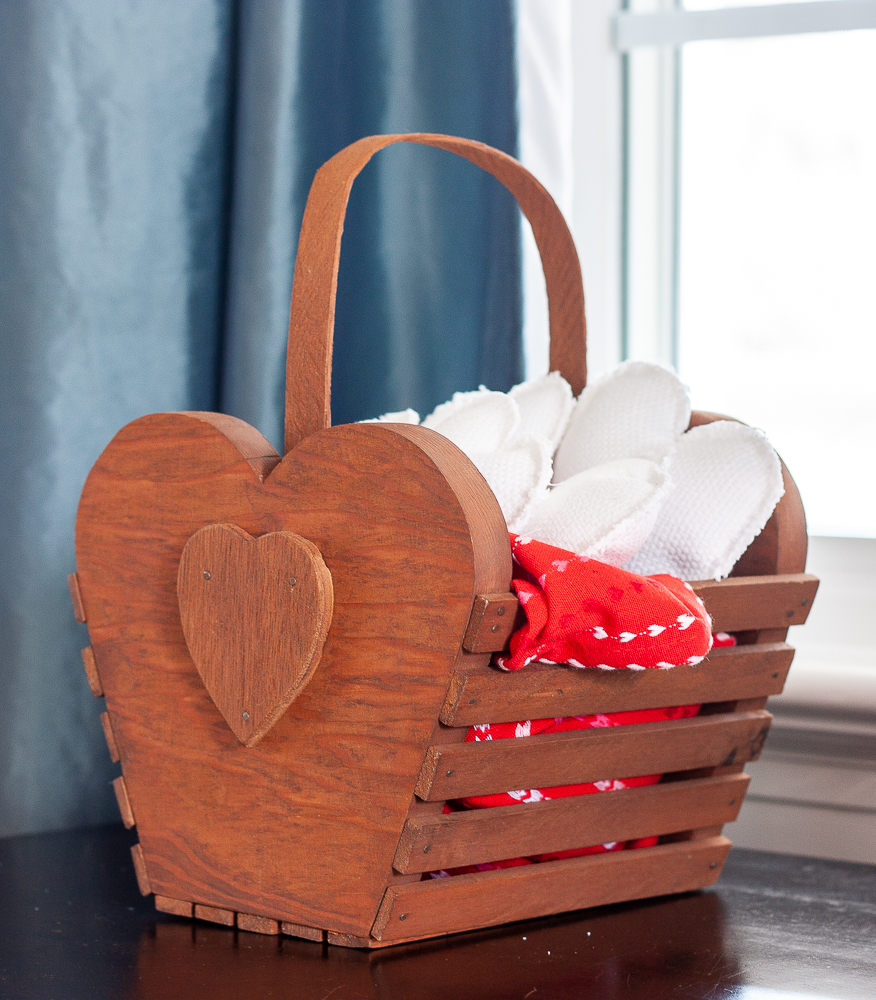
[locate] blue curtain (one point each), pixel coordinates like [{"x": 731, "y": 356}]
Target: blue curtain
[{"x": 154, "y": 162}]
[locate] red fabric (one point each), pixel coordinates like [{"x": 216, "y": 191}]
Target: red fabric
[
  {"x": 720, "y": 639},
  {"x": 510, "y": 730},
  {"x": 535, "y": 727},
  {"x": 586, "y": 613},
  {"x": 589, "y": 614}
]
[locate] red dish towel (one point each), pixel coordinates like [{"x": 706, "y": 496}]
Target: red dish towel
[
  {"x": 586, "y": 613},
  {"x": 589, "y": 614},
  {"x": 535, "y": 727}
]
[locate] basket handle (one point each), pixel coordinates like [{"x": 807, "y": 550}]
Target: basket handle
[{"x": 312, "y": 313}]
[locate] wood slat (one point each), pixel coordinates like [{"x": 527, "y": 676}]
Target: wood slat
[
  {"x": 756, "y": 602},
  {"x": 744, "y": 603},
  {"x": 90, "y": 664},
  {"x": 482, "y": 693},
  {"x": 121, "y": 790},
  {"x": 458, "y": 770},
  {"x": 301, "y": 931},
  {"x": 256, "y": 924},
  {"x": 444, "y": 906},
  {"x": 76, "y": 598},
  {"x": 140, "y": 870},
  {"x": 493, "y": 618},
  {"x": 348, "y": 940},
  {"x": 215, "y": 914},
  {"x": 481, "y": 835},
  {"x": 178, "y": 907},
  {"x": 110, "y": 737}
]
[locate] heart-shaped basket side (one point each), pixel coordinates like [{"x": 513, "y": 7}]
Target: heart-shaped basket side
[{"x": 303, "y": 826}]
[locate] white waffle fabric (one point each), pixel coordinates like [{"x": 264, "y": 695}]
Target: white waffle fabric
[{"x": 631, "y": 486}]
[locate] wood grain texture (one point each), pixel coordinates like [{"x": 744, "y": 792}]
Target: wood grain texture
[
  {"x": 256, "y": 924},
  {"x": 214, "y": 914},
  {"x": 90, "y": 664},
  {"x": 410, "y": 533},
  {"x": 121, "y": 790},
  {"x": 140, "y": 871},
  {"x": 255, "y": 614},
  {"x": 348, "y": 940},
  {"x": 549, "y": 759},
  {"x": 443, "y": 906},
  {"x": 481, "y": 694},
  {"x": 178, "y": 907},
  {"x": 632, "y": 954},
  {"x": 108, "y": 735},
  {"x": 311, "y": 321},
  {"x": 494, "y": 618},
  {"x": 76, "y": 598},
  {"x": 758, "y": 602},
  {"x": 300, "y": 931},
  {"x": 736, "y": 604},
  {"x": 481, "y": 835}
]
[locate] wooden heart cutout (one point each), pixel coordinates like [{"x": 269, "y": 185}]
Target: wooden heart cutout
[{"x": 255, "y": 614}]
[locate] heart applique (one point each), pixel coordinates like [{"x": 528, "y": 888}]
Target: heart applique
[{"x": 255, "y": 613}]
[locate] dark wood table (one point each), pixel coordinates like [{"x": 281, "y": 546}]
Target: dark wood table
[{"x": 74, "y": 925}]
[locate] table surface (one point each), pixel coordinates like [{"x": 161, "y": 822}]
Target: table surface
[{"x": 774, "y": 928}]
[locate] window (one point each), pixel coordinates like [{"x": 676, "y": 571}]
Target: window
[{"x": 719, "y": 185}]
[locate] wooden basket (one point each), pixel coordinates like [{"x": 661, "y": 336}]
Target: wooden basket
[{"x": 347, "y": 651}]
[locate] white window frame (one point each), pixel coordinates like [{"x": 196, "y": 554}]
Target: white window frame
[{"x": 631, "y": 287}]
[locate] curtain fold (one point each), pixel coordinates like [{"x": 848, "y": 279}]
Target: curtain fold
[
  {"x": 154, "y": 163},
  {"x": 429, "y": 288}
]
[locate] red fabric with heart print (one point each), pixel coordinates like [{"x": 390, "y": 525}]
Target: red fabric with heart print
[
  {"x": 586, "y": 613},
  {"x": 535, "y": 727},
  {"x": 590, "y": 614}
]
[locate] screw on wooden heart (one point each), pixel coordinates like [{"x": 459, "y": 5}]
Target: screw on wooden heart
[{"x": 255, "y": 622}]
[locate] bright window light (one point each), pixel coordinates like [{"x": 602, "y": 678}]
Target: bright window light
[{"x": 777, "y": 255}]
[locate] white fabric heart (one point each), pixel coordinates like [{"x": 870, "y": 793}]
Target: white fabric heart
[
  {"x": 726, "y": 481},
  {"x": 545, "y": 403},
  {"x": 633, "y": 489},
  {"x": 519, "y": 476},
  {"x": 478, "y": 421},
  {"x": 638, "y": 410},
  {"x": 605, "y": 513},
  {"x": 487, "y": 427}
]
